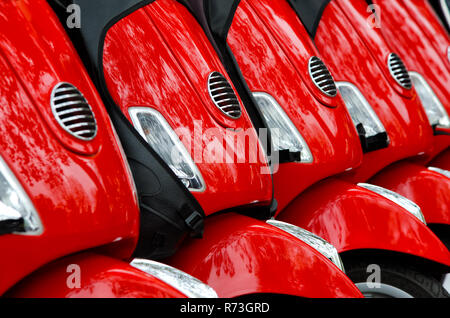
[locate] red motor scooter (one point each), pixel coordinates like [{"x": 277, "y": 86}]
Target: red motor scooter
[
  {"x": 423, "y": 44},
  {"x": 400, "y": 111},
  {"x": 412, "y": 180},
  {"x": 69, "y": 218},
  {"x": 422, "y": 12},
  {"x": 311, "y": 123},
  {"x": 156, "y": 69}
]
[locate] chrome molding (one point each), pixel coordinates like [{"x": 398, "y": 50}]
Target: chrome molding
[
  {"x": 398, "y": 199},
  {"x": 185, "y": 283},
  {"x": 316, "y": 242},
  {"x": 443, "y": 172}
]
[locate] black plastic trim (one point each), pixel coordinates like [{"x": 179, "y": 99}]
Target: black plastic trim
[{"x": 310, "y": 13}]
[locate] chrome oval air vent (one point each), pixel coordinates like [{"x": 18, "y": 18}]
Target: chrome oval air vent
[
  {"x": 398, "y": 71},
  {"x": 321, "y": 76},
  {"x": 73, "y": 112},
  {"x": 223, "y": 95}
]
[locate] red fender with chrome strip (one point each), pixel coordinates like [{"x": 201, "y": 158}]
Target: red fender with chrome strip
[
  {"x": 429, "y": 189},
  {"x": 442, "y": 161},
  {"x": 243, "y": 256},
  {"x": 352, "y": 218},
  {"x": 100, "y": 277}
]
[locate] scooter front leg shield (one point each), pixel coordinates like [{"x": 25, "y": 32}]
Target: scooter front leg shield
[
  {"x": 352, "y": 218},
  {"x": 244, "y": 256},
  {"x": 428, "y": 189},
  {"x": 89, "y": 275}
]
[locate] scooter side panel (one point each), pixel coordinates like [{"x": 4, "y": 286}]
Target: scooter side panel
[
  {"x": 409, "y": 41},
  {"x": 84, "y": 201},
  {"x": 243, "y": 256},
  {"x": 161, "y": 60},
  {"x": 400, "y": 116},
  {"x": 424, "y": 15},
  {"x": 352, "y": 218},
  {"x": 88, "y": 275},
  {"x": 281, "y": 70}
]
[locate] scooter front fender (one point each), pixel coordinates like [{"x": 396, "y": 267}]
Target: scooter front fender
[
  {"x": 90, "y": 275},
  {"x": 243, "y": 256},
  {"x": 429, "y": 189},
  {"x": 442, "y": 161},
  {"x": 352, "y": 218}
]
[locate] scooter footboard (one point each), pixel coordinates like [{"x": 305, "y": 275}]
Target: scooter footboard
[
  {"x": 353, "y": 218},
  {"x": 241, "y": 256},
  {"x": 89, "y": 275},
  {"x": 428, "y": 189}
]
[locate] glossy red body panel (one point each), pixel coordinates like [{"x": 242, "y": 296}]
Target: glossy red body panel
[
  {"x": 100, "y": 277},
  {"x": 272, "y": 49},
  {"x": 356, "y": 13},
  {"x": 234, "y": 261},
  {"x": 424, "y": 15},
  {"x": 275, "y": 61},
  {"x": 442, "y": 161},
  {"x": 84, "y": 201},
  {"x": 403, "y": 117},
  {"x": 353, "y": 218},
  {"x": 420, "y": 43},
  {"x": 161, "y": 47},
  {"x": 429, "y": 189},
  {"x": 271, "y": 66},
  {"x": 395, "y": 177}
]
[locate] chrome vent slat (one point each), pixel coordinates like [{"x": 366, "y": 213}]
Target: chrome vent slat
[
  {"x": 322, "y": 77},
  {"x": 221, "y": 89},
  {"x": 73, "y": 112},
  {"x": 66, "y": 96},
  {"x": 65, "y": 90},
  {"x": 223, "y": 95},
  {"x": 75, "y": 118},
  {"x": 399, "y": 71},
  {"x": 226, "y": 102},
  {"x": 71, "y": 103}
]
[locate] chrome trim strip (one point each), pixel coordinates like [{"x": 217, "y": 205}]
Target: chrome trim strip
[
  {"x": 398, "y": 199},
  {"x": 185, "y": 283},
  {"x": 443, "y": 172},
  {"x": 314, "y": 241}
]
